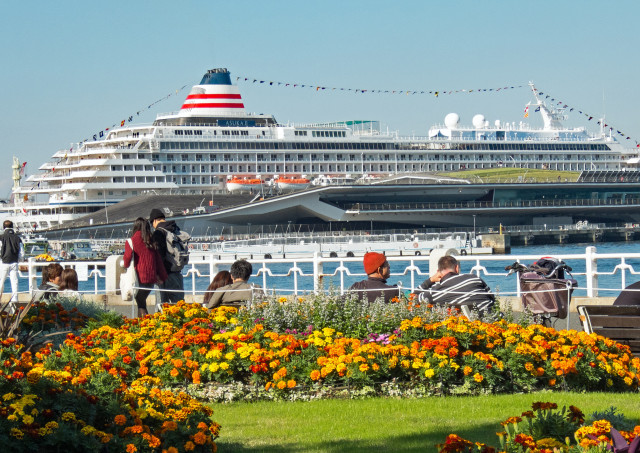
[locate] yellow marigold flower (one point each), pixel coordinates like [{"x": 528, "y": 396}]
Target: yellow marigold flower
[
  {"x": 15, "y": 432},
  {"x": 68, "y": 416},
  {"x": 478, "y": 377},
  {"x": 229, "y": 355},
  {"x": 224, "y": 365},
  {"x": 88, "y": 430},
  {"x": 429, "y": 372},
  {"x": 27, "y": 419},
  {"x": 364, "y": 367},
  {"x": 51, "y": 425},
  {"x": 8, "y": 396}
]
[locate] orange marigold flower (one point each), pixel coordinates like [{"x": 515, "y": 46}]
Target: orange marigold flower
[
  {"x": 200, "y": 438},
  {"x": 291, "y": 383},
  {"x": 478, "y": 377},
  {"x": 174, "y": 372},
  {"x": 120, "y": 419},
  {"x": 202, "y": 426},
  {"x": 131, "y": 448},
  {"x": 196, "y": 377},
  {"x": 282, "y": 385},
  {"x": 315, "y": 375},
  {"x": 189, "y": 446}
]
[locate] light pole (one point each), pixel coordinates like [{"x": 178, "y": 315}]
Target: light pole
[{"x": 474, "y": 229}]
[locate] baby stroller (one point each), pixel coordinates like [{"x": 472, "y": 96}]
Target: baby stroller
[{"x": 545, "y": 291}]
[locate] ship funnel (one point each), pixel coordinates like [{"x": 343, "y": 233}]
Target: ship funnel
[{"x": 214, "y": 96}]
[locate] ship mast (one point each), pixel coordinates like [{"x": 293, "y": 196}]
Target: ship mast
[
  {"x": 551, "y": 117},
  {"x": 16, "y": 172}
]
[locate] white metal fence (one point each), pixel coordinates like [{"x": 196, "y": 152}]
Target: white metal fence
[{"x": 599, "y": 274}]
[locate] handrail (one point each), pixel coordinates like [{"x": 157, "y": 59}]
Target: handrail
[{"x": 299, "y": 274}]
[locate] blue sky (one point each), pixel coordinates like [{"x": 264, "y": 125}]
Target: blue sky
[{"x": 72, "y": 68}]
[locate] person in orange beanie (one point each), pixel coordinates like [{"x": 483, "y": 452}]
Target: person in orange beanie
[{"x": 375, "y": 286}]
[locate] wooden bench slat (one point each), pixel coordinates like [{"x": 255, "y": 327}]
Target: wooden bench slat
[
  {"x": 627, "y": 310},
  {"x": 617, "y": 334},
  {"x": 620, "y": 323},
  {"x": 614, "y": 321}
]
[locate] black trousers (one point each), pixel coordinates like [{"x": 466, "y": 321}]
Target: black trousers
[{"x": 142, "y": 294}]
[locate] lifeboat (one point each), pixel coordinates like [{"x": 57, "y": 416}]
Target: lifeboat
[
  {"x": 245, "y": 185},
  {"x": 290, "y": 184}
]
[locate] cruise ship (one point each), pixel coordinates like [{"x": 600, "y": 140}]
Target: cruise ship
[{"x": 213, "y": 140}]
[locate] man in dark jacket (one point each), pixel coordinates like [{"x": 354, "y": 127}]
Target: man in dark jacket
[
  {"x": 159, "y": 238},
  {"x": 11, "y": 251},
  {"x": 449, "y": 287},
  {"x": 375, "y": 286}
]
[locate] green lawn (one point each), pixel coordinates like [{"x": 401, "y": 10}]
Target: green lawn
[
  {"x": 514, "y": 175},
  {"x": 386, "y": 425}
]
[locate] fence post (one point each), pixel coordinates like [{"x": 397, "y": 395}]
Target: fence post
[
  {"x": 591, "y": 272},
  {"x": 317, "y": 272},
  {"x": 32, "y": 276}
]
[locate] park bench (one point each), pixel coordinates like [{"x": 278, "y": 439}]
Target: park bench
[{"x": 618, "y": 322}]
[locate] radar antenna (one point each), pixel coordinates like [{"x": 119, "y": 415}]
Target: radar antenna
[{"x": 551, "y": 116}]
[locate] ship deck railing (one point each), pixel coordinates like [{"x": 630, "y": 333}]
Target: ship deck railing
[{"x": 395, "y": 207}]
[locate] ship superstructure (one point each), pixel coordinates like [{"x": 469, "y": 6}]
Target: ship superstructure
[{"x": 212, "y": 140}]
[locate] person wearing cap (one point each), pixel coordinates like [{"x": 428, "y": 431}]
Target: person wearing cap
[
  {"x": 375, "y": 286},
  {"x": 174, "y": 279}
]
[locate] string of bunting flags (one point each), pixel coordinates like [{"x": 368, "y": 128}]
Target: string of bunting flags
[
  {"x": 588, "y": 116},
  {"x": 129, "y": 119},
  {"x": 436, "y": 93},
  {"x": 320, "y": 88}
]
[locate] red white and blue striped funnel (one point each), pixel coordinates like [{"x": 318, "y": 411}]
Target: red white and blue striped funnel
[{"x": 214, "y": 96}]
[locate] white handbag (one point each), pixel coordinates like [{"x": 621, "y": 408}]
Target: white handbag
[{"x": 129, "y": 279}]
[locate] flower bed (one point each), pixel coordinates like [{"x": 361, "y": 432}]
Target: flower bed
[
  {"x": 546, "y": 429},
  {"x": 54, "y": 398},
  {"x": 112, "y": 386},
  {"x": 188, "y": 344}
]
